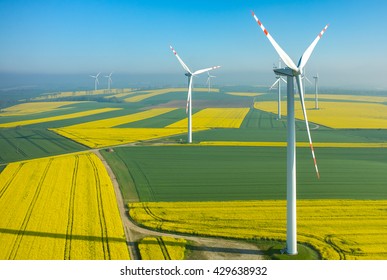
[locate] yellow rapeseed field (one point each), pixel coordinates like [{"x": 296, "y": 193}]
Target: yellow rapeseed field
[
  {"x": 337, "y": 114},
  {"x": 215, "y": 118},
  {"x": 59, "y": 208},
  {"x": 337, "y": 229},
  {"x": 299, "y": 144},
  {"x": 33, "y": 108},
  {"x": 162, "y": 248},
  {"x": 112, "y": 122},
  {"x": 103, "y": 137},
  {"x": 151, "y": 93},
  {"x": 349, "y": 98},
  {"x": 57, "y": 118}
]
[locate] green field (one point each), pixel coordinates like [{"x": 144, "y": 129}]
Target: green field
[
  {"x": 27, "y": 143},
  {"x": 183, "y": 173}
]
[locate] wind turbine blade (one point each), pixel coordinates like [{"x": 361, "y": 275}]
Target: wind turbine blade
[
  {"x": 273, "y": 85},
  {"x": 205, "y": 70},
  {"x": 180, "y": 60},
  {"x": 306, "y": 78},
  {"x": 97, "y": 75},
  {"x": 284, "y": 80},
  {"x": 305, "y": 57},
  {"x": 189, "y": 94},
  {"x": 300, "y": 90},
  {"x": 283, "y": 55}
]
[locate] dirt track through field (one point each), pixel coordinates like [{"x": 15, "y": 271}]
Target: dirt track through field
[{"x": 199, "y": 248}]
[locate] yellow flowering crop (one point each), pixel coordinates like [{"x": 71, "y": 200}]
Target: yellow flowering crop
[
  {"x": 162, "y": 248},
  {"x": 215, "y": 118},
  {"x": 103, "y": 137},
  {"x": 59, "y": 208},
  {"x": 338, "y": 229},
  {"x": 33, "y": 108},
  {"x": 151, "y": 93},
  {"x": 349, "y": 98},
  {"x": 337, "y": 114},
  {"x": 60, "y": 117},
  {"x": 112, "y": 122}
]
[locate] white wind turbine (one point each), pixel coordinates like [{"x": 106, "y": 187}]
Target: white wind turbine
[
  {"x": 190, "y": 76},
  {"x": 316, "y": 91},
  {"x": 96, "y": 82},
  {"x": 293, "y": 71},
  {"x": 109, "y": 80},
  {"x": 278, "y": 81},
  {"x": 209, "y": 81}
]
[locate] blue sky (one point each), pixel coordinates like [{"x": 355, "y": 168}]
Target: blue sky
[{"x": 132, "y": 38}]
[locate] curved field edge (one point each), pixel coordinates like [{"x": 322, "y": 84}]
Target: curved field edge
[
  {"x": 337, "y": 229},
  {"x": 68, "y": 210}
]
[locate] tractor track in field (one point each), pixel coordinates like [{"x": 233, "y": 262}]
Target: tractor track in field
[
  {"x": 200, "y": 248},
  {"x": 101, "y": 212},
  {"x": 9, "y": 182},
  {"x": 20, "y": 235},
  {"x": 70, "y": 215},
  {"x": 163, "y": 248}
]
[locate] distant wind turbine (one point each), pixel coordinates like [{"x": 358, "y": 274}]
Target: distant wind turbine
[
  {"x": 209, "y": 81},
  {"x": 96, "y": 82},
  {"x": 316, "y": 91},
  {"x": 293, "y": 71},
  {"x": 190, "y": 76},
  {"x": 304, "y": 77},
  {"x": 278, "y": 82},
  {"x": 109, "y": 80}
]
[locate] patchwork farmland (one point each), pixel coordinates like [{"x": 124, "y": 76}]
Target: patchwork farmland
[{"x": 234, "y": 169}]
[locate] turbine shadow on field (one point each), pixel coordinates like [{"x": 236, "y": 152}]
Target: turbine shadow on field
[{"x": 59, "y": 235}]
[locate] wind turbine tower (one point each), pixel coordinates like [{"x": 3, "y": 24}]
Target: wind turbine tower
[
  {"x": 109, "y": 80},
  {"x": 190, "y": 76},
  {"x": 293, "y": 71},
  {"x": 96, "y": 82},
  {"x": 209, "y": 81},
  {"x": 316, "y": 91}
]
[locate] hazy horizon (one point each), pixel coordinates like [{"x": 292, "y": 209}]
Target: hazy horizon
[{"x": 56, "y": 43}]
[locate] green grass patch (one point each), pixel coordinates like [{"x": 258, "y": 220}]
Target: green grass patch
[
  {"x": 26, "y": 143},
  {"x": 191, "y": 173}
]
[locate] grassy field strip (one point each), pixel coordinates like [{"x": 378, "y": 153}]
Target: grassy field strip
[
  {"x": 104, "y": 137},
  {"x": 338, "y": 229},
  {"x": 112, "y": 122},
  {"x": 299, "y": 144},
  {"x": 67, "y": 210},
  {"x": 336, "y": 114},
  {"x": 349, "y": 98},
  {"x": 248, "y": 94},
  {"x": 162, "y": 248},
  {"x": 152, "y": 93},
  {"x": 215, "y": 118},
  {"x": 61, "y": 117},
  {"x": 34, "y": 108}
]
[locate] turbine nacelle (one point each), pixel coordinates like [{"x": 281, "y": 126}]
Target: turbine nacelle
[{"x": 285, "y": 72}]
